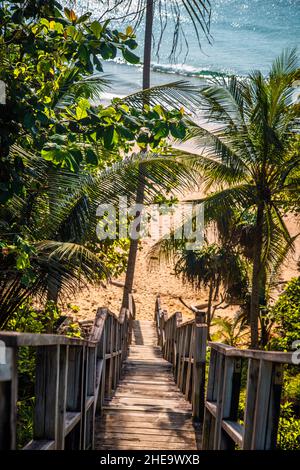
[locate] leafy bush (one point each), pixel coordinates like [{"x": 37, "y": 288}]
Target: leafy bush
[
  {"x": 286, "y": 312},
  {"x": 27, "y": 319},
  {"x": 289, "y": 429},
  {"x": 231, "y": 331},
  {"x": 291, "y": 389}
]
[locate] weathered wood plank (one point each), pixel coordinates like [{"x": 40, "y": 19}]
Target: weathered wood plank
[
  {"x": 8, "y": 400},
  {"x": 45, "y": 426},
  {"x": 199, "y": 354},
  {"x": 272, "y": 356},
  {"x": 62, "y": 396},
  {"x": 147, "y": 410}
]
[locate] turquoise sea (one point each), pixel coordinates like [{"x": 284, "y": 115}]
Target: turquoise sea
[{"x": 246, "y": 35}]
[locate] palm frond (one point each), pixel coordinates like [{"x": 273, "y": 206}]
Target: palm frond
[
  {"x": 172, "y": 95},
  {"x": 198, "y": 12}
]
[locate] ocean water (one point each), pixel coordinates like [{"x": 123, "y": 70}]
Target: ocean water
[{"x": 246, "y": 35}]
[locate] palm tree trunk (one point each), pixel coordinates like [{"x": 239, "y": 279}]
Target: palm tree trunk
[
  {"x": 209, "y": 316},
  {"x": 148, "y": 44},
  {"x": 141, "y": 180},
  {"x": 133, "y": 244},
  {"x": 256, "y": 277}
]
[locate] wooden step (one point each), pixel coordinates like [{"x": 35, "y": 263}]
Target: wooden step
[{"x": 147, "y": 410}]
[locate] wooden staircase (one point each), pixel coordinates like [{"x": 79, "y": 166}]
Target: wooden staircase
[
  {"x": 147, "y": 410},
  {"x": 93, "y": 394}
]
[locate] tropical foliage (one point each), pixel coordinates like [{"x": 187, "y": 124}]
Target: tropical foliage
[
  {"x": 232, "y": 331},
  {"x": 286, "y": 313},
  {"x": 249, "y": 162},
  {"x": 62, "y": 154},
  {"x": 214, "y": 267}
]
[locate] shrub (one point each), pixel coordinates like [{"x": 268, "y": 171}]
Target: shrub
[
  {"x": 287, "y": 317},
  {"x": 289, "y": 429}
]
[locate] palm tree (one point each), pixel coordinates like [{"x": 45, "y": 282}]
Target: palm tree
[
  {"x": 249, "y": 162},
  {"x": 48, "y": 236},
  {"x": 214, "y": 267},
  {"x": 232, "y": 331},
  {"x": 199, "y": 12}
]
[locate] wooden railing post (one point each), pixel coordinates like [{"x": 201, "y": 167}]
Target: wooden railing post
[
  {"x": 89, "y": 394},
  {"x": 211, "y": 396},
  {"x": 184, "y": 351},
  {"x": 75, "y": 395},
  {"x": 109, "y": 350},
  {"x": 62, "y": 396},
  {"x": 199, "y": 355},
  {"x": 190, "y": 359},
  {"x": 45, "y": 425},
  {"x": 164, "y": 317},
  {"x": 262, "y": 416},
  {"x": 228, "y": 401},
  {"x": 8, "y": 398},
  {"x": 102, "y": 368},
  {"x": 177, "y": 322},
  {"x": 252, "y": 379}
]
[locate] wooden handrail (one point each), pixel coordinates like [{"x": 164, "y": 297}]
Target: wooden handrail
[
  {"x": 259, "y": 427},
  {"x": 273, "y": 356},
  {"x": 14, "y": 339},
  {"x": 184, "y": 346},
  {"x": 73, "y": 379}
]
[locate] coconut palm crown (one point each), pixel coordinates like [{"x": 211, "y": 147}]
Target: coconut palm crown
[{"x": 248, "y": 160}]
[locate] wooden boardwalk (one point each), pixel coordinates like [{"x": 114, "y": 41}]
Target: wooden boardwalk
[
  {"x": 147, "y": 410},
  {"x": 91, "y": 394}
]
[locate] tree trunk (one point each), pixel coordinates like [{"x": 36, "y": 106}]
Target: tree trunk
[
  {"x": 256, "y": 277},
  {"x": 133, "y": 244},
  {"x": 141, "y": 180},
  {"x": 53, "y": 290},
  {"x": 210, "y": 299},
  {"x": 148, "y": 44}
]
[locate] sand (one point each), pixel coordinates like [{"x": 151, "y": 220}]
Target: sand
[{"x": 160, "y": 279}]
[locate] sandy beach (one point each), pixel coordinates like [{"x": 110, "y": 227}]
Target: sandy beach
[{"x": 153, "y": 279}]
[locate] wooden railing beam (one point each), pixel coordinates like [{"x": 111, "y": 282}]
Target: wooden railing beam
[{"x": 71, "y": 376}]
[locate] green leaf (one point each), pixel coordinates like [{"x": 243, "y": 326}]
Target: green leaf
[
  {"x": 73, "y": 159},
  {"x": 108, "y": 51},
  {"x": 58, "y": 27},
  {"x": 108, "y": 136},
  {"x": 83, "y": 53},
  {"x": 96, "y": 28},
  {"x": 177, "y": 131},
  {"x": 59, "y": 139},
  {"x": 22, "y": 261},
  {"x": 162, "y": 131},
  {"x": 131, "y": 43},
  {"x": 45, "y": 22},
  {"x": 125, "y": 132},
  {"x": 91, "y": 157},
  {"x": 130, "y": 57},
  {"x": 55, "y": 155},
  {"x": 97, "y": 64},
  {"x": 81, "y": 109},
  {"x": 84, "y": 17}
]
